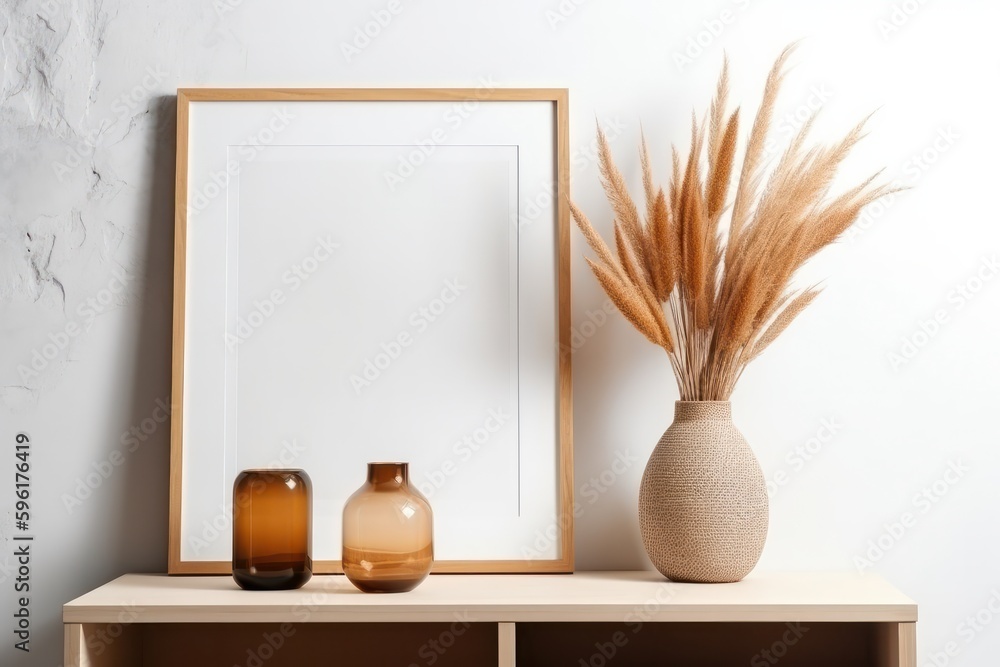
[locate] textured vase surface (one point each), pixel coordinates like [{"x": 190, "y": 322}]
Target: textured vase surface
[{"x": 703, "y": 499}]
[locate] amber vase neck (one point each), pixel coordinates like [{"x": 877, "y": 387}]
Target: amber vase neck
[{"x": 388, "y": 475}]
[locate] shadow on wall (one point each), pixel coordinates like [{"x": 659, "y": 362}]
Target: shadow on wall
[
  {"x": 132, "y": 536},
  {"x": 140, "y": 529}
]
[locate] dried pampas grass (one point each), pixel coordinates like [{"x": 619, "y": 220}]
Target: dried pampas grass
[{"x": 714, "y": 305}]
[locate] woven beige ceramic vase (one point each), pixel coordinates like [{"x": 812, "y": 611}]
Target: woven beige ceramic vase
[{"x": 703, "y": 499}]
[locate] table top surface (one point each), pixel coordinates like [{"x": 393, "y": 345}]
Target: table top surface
[{"x": 581, "y": 597}]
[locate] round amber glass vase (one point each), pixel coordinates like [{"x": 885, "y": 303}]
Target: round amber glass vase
[
  {"x": 272, "y": 529},
  {"x": 388, "y": 532}
]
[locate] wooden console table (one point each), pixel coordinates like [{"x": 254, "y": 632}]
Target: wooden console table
[{"x": 590, "y": 618}]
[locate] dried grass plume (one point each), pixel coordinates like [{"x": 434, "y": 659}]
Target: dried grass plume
[{"x": 713, "y": 303}]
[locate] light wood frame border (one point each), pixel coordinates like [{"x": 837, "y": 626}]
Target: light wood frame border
[{"x": 559, "y": 97}]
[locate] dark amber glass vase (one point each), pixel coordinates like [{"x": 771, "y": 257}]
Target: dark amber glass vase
[
  {"x": 272, "y": 529},
  {"x": 388, "y": 532}
]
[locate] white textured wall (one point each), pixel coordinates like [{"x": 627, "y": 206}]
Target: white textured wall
[{"x": 86, "y": 206}]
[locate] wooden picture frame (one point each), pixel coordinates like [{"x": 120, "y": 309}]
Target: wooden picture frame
[{"x": 551, "y": 547}]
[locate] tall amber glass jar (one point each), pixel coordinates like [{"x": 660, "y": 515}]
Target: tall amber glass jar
[
  {"x": 388, "y": 532},
  {"x": 272, "y": 529}
]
